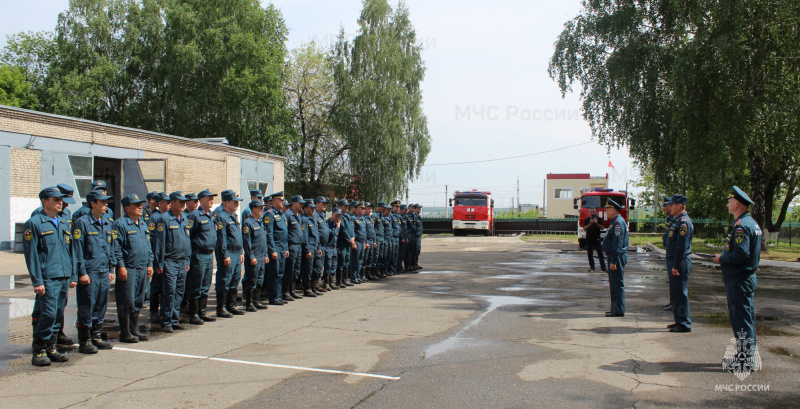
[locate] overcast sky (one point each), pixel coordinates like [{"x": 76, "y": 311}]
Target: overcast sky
[{"x": 487, "y": 94}]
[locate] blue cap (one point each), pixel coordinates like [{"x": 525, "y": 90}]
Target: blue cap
[
  {"x": 51, "y": 191},
  {"x": 256, "y": 203},
  {"x": 256, "y": 193},
  {"x": 321, "y": 199},
  {"x": 419, "y": 206},
  {"x": 205, "y": 193},
  {"x": 337, "y": 211},
  {"x": 162, "y": 196},
  {"x": 132, "y": 199},
  {"x": 611, "y": 203},
  {"x": 342, "y": 203},
  {"x": 666, "y": 199},
  {"x": 192, "y": 196},
  {"x": 396, "y": 203},
  {"x": 367, "y": 204},
  {"x": 177, "y": 196},
  {"x": 95, "y": 195},
  {"x": 677, "y": 199},
  {"x": 285, "y": 203},
  {"x": 99, "y": 184},
  {"x": 741, "y": 196},
  {"x": 297, "y": 198},
  {"x": 276, "y": 195},
  {"x": 403, "y": 207},
  {"x": 229, "y": 195},
  {"x": 68, "y": 191},
  {"x": 309, "y": 203},
  {"x": 153, "y": 195},
  {"x": 381, "y": 204}
]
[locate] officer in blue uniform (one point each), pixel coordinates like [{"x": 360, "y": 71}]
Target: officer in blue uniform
[
  {"x": 150, "y": 207},
  {"x": 396, "y": 232},
  {"x": 275, "y": 224},
  {"x": 154, "y": 225},
  {"x": 173, "y": 258},
  {"x": 131, "y": 239},
  {"x": 345, "y": 242},
  {"x": 51, "y": 266},
  {"x": 411, "y": 234},
  {"x": 331, "y": 253},
  {"x": 679, "y": 247},
  {"x": 311, "y": 250},
  {"x": 369, "y": 252},
  {"x": 296, "y": 237},
  {"x": 97, "y": 185},
  {"x": 68, "y": 191},
  {"x": 229, "y": 255},
  {"x": 324, "y": 235},
  {"x": 418, "y": 239},
  {"x": 403, "y": 242},
  {"x": 360, "y": 234},
  {"x": 377, "y": 223},
  {"x": 615, "y": 245},
  {"x": 388, "y": 239},
  {"x": 94, "y": 258},
  {"x": 739, "y": 263},
  {"x": 254, "y": 195},
  {"x": 667, "y": 208},
  {"x": 203, "y": 232},
  {"x": 254, "y": 240},
  {"x": 191, "y": 206}
]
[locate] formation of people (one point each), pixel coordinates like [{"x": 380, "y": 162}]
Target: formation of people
[
  {"x": 738, "y": 262},
  {"x": 162, "y": 251}
]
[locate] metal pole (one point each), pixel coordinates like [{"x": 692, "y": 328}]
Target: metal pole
[{"x": 446, "y": 202}]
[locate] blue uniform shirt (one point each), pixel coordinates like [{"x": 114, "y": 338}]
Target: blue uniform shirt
[
  {"x": 679, "y": 241},
  {"x": 359, "y": 229},
  {"x": 615, "y": 243},
  {"x": 333, "y": 233},
  {"x": 345, "y": 230},
  {"x": 229, "y": 235},
  {"x": 254, "y": 239},
  {"x": 369, "y": 222},
  {"x": 280, "y": 231},
  {"x": 203, "y": 230},
  {"x": 91, "y": 245},
  {"x": 47, "y": 250},
  {"x": 295, "y": 229},
  {"x": 311, "y": 243},
  {"x": 173, "y": 235},
  {"x": 131, "y": 243},
  {"x": 742, "y": 250},
  {"x": 395, "y": 225}
]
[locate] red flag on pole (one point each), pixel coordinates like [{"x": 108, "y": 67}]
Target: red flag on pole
[{"x": 611, "y": 165}]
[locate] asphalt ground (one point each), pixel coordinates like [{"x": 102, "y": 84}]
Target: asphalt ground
[{"x": 488, "y": 322}]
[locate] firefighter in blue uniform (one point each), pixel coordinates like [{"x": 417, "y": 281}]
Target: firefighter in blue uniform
[
  {"x": 296, "y": 236},
  {"x": 667, "y": 208},
  {"x": 369, "y": 253},
  {"x": 377, "y": 257},
  {"x": 155, "y": 225},
  {"x": 254, "y": 195},
  {"x": 396, "y": 233},
  {"x": 203, "y": 232},
  {"x": 97, "y": 185},
  {"x": 48, "y": 257},
  {"x": 679, "y": 247},
  {"x": 739, "y": 263},
  {"x": 311, "y": 249},
  {"x": 275, "y": 224},
  {"x": 68, "y": 191},
  {"x": 403, "y": 239},
  {"x": 229, "y": 255},
  {"x": 345, "y": 242},
  {"x": 388, "y": 237},
  {"x": 173, "y": 259},
  {"x": 324, "y": 235},
  {"x": 411, "y": 234},
  {"x": 254, "y": 241},
  {"x": 130, "y": 237},
  {"x": 94, "y": 259},
  {"x": 615, "y": 245},
  {"x": 360, "y": 234},
  {"x": 331, "y": 253},
  {"x": 418, "y": 239}
]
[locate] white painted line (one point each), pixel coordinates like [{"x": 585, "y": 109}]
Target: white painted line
[{"x": 237, "y": 361}]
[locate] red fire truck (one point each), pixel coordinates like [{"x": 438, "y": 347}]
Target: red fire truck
[
  {"x": 473, "y": 211},
  {"x": 597, "y": 199}
]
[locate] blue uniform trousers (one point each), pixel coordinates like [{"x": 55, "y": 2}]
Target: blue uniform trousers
[
  {"x": 401, "y": 255},
  {"x": 228, "y": 277},
  {"x": 741, "y": 309},
  {"x": 92, "y": 299},
  {"x": 253, "y": 274},
  {"x": 130, "y": 293},
  {"x": 48, "y": 309},
  {"x": 319, "y": 265},
  {"x": 330, "y": 261},
  {"x": 275, "y": 273},
  {"x": 307, "y": 266},
  {"x": 173, "y": 287},
  {"x": 356, "y": 258},
  {"x": 292, "y": 271},
  {"x": 616, "y": 281},
  {"x": 418, "y": 248},
  {"x": 679, "y": 294},
  {"x": 198, "y": 281},
  {"x": 343, "y": 257}
]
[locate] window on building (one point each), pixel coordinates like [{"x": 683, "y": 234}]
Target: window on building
[
  {"x": 82, "y": 171},
  {"x": 261, "y": 186},
  {"x": 563, "y": 193}
]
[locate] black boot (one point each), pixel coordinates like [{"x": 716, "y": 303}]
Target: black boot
[
  {"x": 39, "y": 349},
  {"x": 201, "y": 309},
  {"x": 319, "y": 285},
  {"x": 338, "y": 279},
  {"x": 135, "y": 327},
  {"x": 248, "y": 301},
  {"x": 97, "y": 338},
  {"x": 62, "y": 339},
  {"x": 285, "y": 297},
  {"x": 346, "y": 277},
  {"x": 329, "y": 284},
  {"x": 292, "y": 288},
  {"x": 257, "y": 300},
  {"x": 221, "y": 313},
  {"x": 307, "y": 289},
  {"x": 230, "y": 304},
  {"x": 85, "y": 341},
  {"x": 193, "y": 318},
  {"x": 53, "y": 353},
  {"x": 124, "y": 317},
  {"x": 155, "y": 303},
  {"x": 315, "y": 288}
]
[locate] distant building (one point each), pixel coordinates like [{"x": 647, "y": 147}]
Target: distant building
[{"x": 561, "y": 188}]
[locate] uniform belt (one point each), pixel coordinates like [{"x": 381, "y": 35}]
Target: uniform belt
[{"x": 205, "y": 251}]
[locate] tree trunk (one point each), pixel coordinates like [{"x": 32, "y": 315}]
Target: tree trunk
[{"x": 758, "y": 186}]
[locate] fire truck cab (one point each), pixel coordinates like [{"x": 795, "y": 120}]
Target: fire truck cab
[
  {"x": 597, "y": 199},
  {"x": 473, "y": 211}
]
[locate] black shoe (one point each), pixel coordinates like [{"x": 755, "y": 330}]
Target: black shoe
[
  {"x": 255, "y": 296},
  {"x": 193, "y": 318},
  {"x": 609, "y": 314},
  {"x": 668, "y": 307},
  {"x": 124, "y": 318},
  {"x": 680, "y": 328},
  {"x": 178, "y": 327},
  {"x": 221, "y": 313},
  {"x": 53, "y": 353},
  {"x": 63, "y": 339},
  {"x": 167, "y": 329},
  {"x": 591, "y": 270},
  {"x": 309, "y": 293},
  {"x": 97, "y": 338},
  {"x": 135, "y": 327},
  {"x": 85, "y": 341},
  {"x": 285, "y": 297},
  {"x": 230, "y": 304},
  {"x": 672, "y": 325},
  {"x": 277, "y": 302},
  {"x": 603, "y": 270},
  {"x": 202, "y": 304}
]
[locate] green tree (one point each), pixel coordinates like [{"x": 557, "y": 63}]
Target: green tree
[
  {"x": 15, "y": 91},
  {"x": 703, "y": 93},
  {"x": 33, "y": 52},
  {"x": 379, "y": 102},
  {"x": 317, "y": 161}
]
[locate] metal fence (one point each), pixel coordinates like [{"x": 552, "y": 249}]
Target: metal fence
[{"x": 510, "y": 226}]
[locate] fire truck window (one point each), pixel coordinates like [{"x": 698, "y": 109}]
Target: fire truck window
[
  {"x": 470, "y": 201},
  {"x": 594, "y": 202}
]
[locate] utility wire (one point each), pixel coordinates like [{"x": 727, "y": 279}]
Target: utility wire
[{"x": 510, "y": 157}]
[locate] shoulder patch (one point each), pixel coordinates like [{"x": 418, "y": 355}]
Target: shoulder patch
[
  {"x": 739, "y": 236},
  {"x": 684, "y": 229},
  {"x": 114, "y": 234},
  {"x": 28, "y": 235},
  {"x": 76, "y": 234},
  {"x": 151, "y": 226},
  {"x": 219, "y": 226},
  {"x": 160, "y": 227},
  {"x": 246, "y": 229}
]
